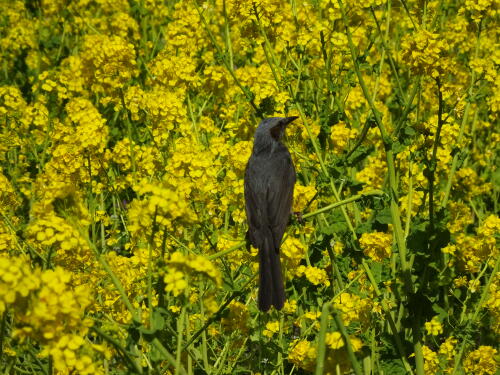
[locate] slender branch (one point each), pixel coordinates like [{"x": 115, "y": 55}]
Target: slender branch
[
  {"x": 343, "y": 202},
  {"x": 125, "y": 354},
  {"x": 431, "y": 174}
]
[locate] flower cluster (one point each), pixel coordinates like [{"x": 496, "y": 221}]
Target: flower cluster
[
  {"x": 423, "y": 51},
  {"x": 354, "y": 308},
  {"x": 17, "y": 281},
  {"x": 49, "y": 310},
  {"x": 180, "y": 267},
  {"x": 376, "y": 245},
  {"x": 125, "y": 131}
]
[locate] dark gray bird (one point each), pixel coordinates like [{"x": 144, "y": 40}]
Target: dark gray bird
[{"x": 269, "y": 182}]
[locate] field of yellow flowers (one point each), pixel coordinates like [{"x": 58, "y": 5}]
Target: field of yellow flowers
[{"x": 125, "y": 128}]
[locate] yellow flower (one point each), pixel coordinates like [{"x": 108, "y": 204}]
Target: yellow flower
[
  {"x": 237, "y": 319},
  {"x": 174, "y": 71},
  {"x": 373, "y": 173},
  {"x": 334, "y": 340},
  {"x": 341, "y": 136},
  {"x": 434, "y": 327},
  {"x": 316, "y": 276},
  {"x": 376, "y": 245},
  {"x": 175, "y": 282},
  {"x": 303, "y": 198},
  {"x": 302, "y": 354},
  {"x": 482, "y": 361},
  {"x": 479, "y": 9},
  {"x": 353, "y": 308},
  {"x": 271, "y": 328},
  {"x": 431, "y": 360},
  {"x": 423, "y": 52},
  {"x": 174, "y": 309},
  {"x": 17, "y": 280},
  {"x": 447, "y": 348},
  {"x": 338, "y": 248},
  {"x": 290, "y": 306},
  {"x": 490, "y": 226},
  {"x": 108, "y": 62},
  {"x": 293, "y": 251}
]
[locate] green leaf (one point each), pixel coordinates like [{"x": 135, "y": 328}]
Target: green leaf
[
  {"x": 158, "y": 321},
  {"x": 398, "y": 147},
  {"x": 392, "y": 366},
  {"x": 442, "y": 314},
  {"x": 383, "y": 216}
]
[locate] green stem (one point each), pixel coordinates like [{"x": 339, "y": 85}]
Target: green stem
[
  {"x": 432, "y": 164},
  {"x": 343, "y": 202},
  {"x": 320, "y": 358},
  {"x": 393, "y": 186},
  {"x": 454, "y": 162},
  {"x": 227, "y": 251},
  {"x": 168, "y": 356},
  {"x": 472, "y": 321},
  {"x": 126, "y": 355},
  {"x": 347, "y": 341},
  {"x": 180, "y": 329}
]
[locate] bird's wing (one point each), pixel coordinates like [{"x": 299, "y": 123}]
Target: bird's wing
[
  {"x": 268, "y": 196},
  {"x": 280, "y": 196},
  {"x": 255, "y": 203}
]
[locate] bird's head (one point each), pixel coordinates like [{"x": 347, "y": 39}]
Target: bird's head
[{"x": 273, "y": 127}]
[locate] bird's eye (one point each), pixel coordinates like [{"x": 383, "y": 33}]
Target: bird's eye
[{"x": 276, "y": 131}]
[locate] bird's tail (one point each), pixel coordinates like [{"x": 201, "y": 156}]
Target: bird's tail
[{"x": 271, "y": 288}]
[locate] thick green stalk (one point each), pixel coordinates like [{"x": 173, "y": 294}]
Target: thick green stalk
[
  {"x": 180, "y": 329},
  {"x": 393, "y": 186},
  {"x": 347, "y": 341},
  {"x": 320, "y": 358},
  {"x": 227, "y": 251}
]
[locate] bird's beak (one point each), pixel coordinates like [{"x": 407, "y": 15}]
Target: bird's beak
[{"x": 288, "y": 120}]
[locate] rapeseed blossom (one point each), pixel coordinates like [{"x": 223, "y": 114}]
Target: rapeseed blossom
[
  {"x": 125, "y": 130},
  {"x": 376, "y": 245}
]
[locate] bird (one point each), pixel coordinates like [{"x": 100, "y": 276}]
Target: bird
[{"x": 268, "y": 188}]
